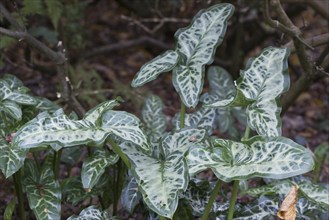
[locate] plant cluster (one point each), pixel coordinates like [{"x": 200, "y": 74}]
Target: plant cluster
[{"x": 159, "y": 169}]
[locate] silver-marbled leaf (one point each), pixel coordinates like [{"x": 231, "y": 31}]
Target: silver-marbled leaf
[
  {"x": 196, "y": 46},
  {"x": 11, "y": 158},
  {"x": 43, "y": 192},
  {"x": 94, "y": 166},
  {"x": 130, "y": 196},
  {"x": 275, "y": 158},
  {"x": 151, "y": 70},
  {"x": 92, "y": 213}
]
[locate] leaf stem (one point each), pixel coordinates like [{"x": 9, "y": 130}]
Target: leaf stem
[
  {"x": 57, "y": 158},
  {"x": 246, "y": 133},
  {"x": 19, "y": 193},
  {"x": 233, "y": 199},
  {"x": 117, "y": 149},
  {"x": 162, "y": 218},
  {"x": 211, "y": 200},
  {"x": 182, "y": 116}
]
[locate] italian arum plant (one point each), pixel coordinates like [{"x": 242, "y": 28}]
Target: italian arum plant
[{"x": 144, "y": 164}]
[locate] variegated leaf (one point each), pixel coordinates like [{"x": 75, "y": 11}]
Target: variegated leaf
[
  {"x": 13, "y": 81},
  {"x": 154, "y": 118},
  {"x": 151, "y": 70},
  {"x": 275, "y": 158},
  {"x": 125, "y": 126},
  {"x": 196, "y": 45},
  {"x": 58, "y": 131},
  {"x": 12, "y": 109},
  {"x": 264, "y": 117},
  {"x": 46, "y": 105},
  {"x": 281, "y": 188},
  {"x": 43, "y": 192},
  {"x": 15, "y": 94},
  {"x": 197, "y": 196},
  {"x": 182, "y": 140},
  {"x": 130, "y": 196},
  {"x": 11, "y": 159},
  {"x": 160, "y": 185},
  {"x": 94, "y": 166},
  {"x": 263, "y": 208},
  {"x": 260, "y": 85},
  {"x": 92, "y": 213},
  {"x": 316, "y": 193},
  {"x": 203, "y": 118},
  {"x": 95, "y": 113}
]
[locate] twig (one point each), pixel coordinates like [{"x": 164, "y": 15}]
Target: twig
[
  {"x": 314, "y": 41},
  {"x": 160, "y": 21},
  {"x": 313, "y": 4},
  {"x": 57, "y": 57},
  {"x": 125, "y": 44}
]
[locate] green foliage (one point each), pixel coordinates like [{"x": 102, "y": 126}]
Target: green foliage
[{"x": 163, "y": 165}]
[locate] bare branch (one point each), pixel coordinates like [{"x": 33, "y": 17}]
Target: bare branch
[
  {"x": 126, "y": 44},
  {"x": 317, "y": 7},
  {"x": 314, "y": 41}
]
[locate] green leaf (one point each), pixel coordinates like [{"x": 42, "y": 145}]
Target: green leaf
[
  {"x": 10, "y": 208},
  {"x": 54, "y": 9},
  {"x": 281, "y": 188},
  {"x": 263, "y": 208},
  {"x": 275, "y": 158},
  {"x": 196, "y": 46},
  {"x": 58, "y": 130},
  {"x": 12, "y": 89},
  {"x": 11, "y": 159},
  {"x": 91, "y": 213},
  {"x": 46, "y": 105},
  {"x": 161, "y": 185},
  {"x": 154, "y": 118},
  {"x": 151, "y": 70},
  {"x": 203, "y": 118},
  {"x": 260, "y": 86},
  {"x": 32, "y": 7},
  {"x": 126, "y": 126},
  {"x": 316, "y": 193},
  {"x": 43, "y": 192},
  {"x": 130, "y": 196},
  {"x": 94, "y": 166},
  {"x": 93, "y": 115},
  {"x": 12, "y": 109}
]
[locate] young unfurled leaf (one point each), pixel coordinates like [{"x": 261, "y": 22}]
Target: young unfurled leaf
[
  {"x": 161, "y": 185},
  {"x": 288, "y": 207},
  {"x": 92, "y": 213},
  {"x": 58, "y": 130},
  {"x": 130, "y": 196},
  {"x": 11, "y": 158},
  {"x": 275, "y": 158},
  {"x": 43, "y": 192},
  {"x": 10, "y": 210},
  {"x": 151, "y": 70},
  {"x": 196, "y": 45},
  {"x": 94, "y": 166},
  {"x": 154, "y": 118},
  {"x": 260, "y": 85}
]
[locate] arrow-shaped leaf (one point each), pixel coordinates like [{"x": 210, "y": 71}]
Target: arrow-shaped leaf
[
  {"x": 275, "y": 158},
  {"x": 11, "y": 158},
  {"x": 94, "y": 166},
  {"x": 12, "y": 109},
  {"x": 130, "y": 196},
  {"x": 92, "y": 213},
  {"x": 58, "y": 130},
  {"x": 43, "y": 192},
  {"x": 161, "y": 185},
  {"x": 196, "y": 46},
  {"x": 151, "y": 70}
]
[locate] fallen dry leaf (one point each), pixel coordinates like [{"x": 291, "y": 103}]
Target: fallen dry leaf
[{"x": 287, "y": 210}]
